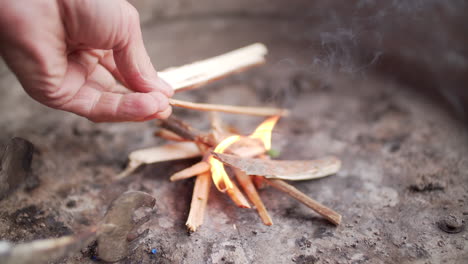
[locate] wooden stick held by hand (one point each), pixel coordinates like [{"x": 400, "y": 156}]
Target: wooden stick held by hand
[
  {"x": 196, "y": 74},
  {"x": 255, "y": 111}
]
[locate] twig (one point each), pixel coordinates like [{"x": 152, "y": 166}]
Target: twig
[
  {"x": 217, "y": 128},
  {"x": 246, "y": 152},
  {"x": 324, "y": 211},
  {"x": 249, "y": 189},
  {"x": 201, "y": 190},
  {"x": 173, "y": 151},
  {"x": 237, "y": 197},
  {"x": 259, "y": 181},
  {"x": 202, "y": 72},
  {"x": 131, "y": 167},
  {"x": 194, "y": 170},
  {"x": 180, "y": 128},
  {"x": 186, "y": 131},
  {"x": 256, "y": 111},
  {"x": 169, "y": 135}
]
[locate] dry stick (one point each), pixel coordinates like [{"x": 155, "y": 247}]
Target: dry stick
[
  {"x": 324, "y": 211},
  {"x": 259, "y": 181},
  {"x": 202, "y": 72},
  {"x": 169, "y": 135},
  {"x": 131, "y": 167},
  {"x": 256, "y": 111},
  {"x": 201, "y": 190},
  {"x": 219, "y": 134},
  {"x": 175, "y": 151},
  {"x": 217, "y": 128},
  {"x": 187, "y": 132},
  {"x": 191, "y": 171},
  {"x": 252, "y": 193},
  {"x": 245, "y": 152},
  {"x": 237, "y": 197}
]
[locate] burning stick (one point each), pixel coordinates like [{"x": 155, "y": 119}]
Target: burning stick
[
  {"x": 237, "y": 197},
  {"x": 324, "y": 211},
  {"x": 256, "y": 111},
  {"x": 247, "y": 148},
  {"x": 251, "y": 148},
  {"x": 202, "y": 72},
  {"x": 196, "y": 169},
  {"x": 252, "y": 193},
  {"x": 201, "y": 190},
  {"x": 188, "y": 132}
]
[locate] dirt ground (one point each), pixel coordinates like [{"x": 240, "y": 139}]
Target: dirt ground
[{"x": 404, "y": 174}]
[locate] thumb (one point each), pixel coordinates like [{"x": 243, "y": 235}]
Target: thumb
[{"x": 115, "y": 25}]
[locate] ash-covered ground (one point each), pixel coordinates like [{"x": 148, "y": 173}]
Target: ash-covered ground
[{"x": 405, "y": 164}]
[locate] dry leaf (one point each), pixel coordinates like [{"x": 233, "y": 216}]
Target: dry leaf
[{"x": 295, "y": 170}]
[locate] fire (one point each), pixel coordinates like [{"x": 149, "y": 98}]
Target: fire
[
  {"x": 263, "y": 131},
  {"x": 219, "y": 175}
]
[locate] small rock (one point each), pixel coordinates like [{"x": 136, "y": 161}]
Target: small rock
[
  {"x": 15, "y": 166},
  {"x": 71, "y": 204},
  {"x": 451, "y": 224},
  {"x": 427, "y": 184}
]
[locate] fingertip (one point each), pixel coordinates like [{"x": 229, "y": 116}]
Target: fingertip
[
  {"x": 161, "y": 100},
  {"x": 160, "y": 115},
  {"x": 165, "y": 87},
  {"x": 164, "y": 114},
  {"x": 153, "y": 105},
  {"x": 136, "y": 106}
]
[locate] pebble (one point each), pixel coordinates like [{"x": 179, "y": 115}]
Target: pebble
[{"x": 451, "y": 224}]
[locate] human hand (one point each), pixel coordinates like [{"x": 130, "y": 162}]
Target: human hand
[{"x": 83, "y": 56}]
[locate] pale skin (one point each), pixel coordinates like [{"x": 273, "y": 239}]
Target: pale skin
[{"x": 83, "y": 56}]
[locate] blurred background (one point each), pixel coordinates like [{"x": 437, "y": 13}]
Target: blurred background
[{"x": 420, "y": 44}]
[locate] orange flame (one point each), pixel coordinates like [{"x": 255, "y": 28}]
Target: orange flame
[
  {"x": 219, "y": 175},
  {"x": 263, "y": 131}
]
